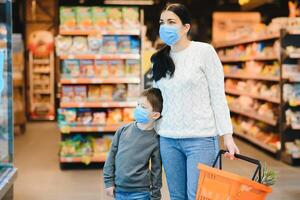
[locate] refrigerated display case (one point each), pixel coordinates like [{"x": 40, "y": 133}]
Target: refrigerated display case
[{"x": 7, "y": 171}]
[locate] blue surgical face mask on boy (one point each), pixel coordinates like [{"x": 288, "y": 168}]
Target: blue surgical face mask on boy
[
  {"x": 141, "y": 115},
  {"x": 169, "y": 34}
]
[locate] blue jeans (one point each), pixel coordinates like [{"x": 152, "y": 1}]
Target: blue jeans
[
  {"x": 180, "y": 158},
  {"x": 132, "y": 195}
]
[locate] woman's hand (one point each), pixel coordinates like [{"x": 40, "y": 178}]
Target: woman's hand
[
  {"x": 110, "y": 192},
  {"x": 230, "y": 146}
]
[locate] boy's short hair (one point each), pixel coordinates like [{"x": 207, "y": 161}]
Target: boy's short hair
[{"x": 154, "y": 97}]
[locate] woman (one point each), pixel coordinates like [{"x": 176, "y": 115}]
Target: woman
[{"x": 195, "y": 112}]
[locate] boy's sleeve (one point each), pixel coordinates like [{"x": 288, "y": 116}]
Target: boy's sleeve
[
  {"x": 156, "y": 174},
  {"x": 109, "y": 166}
]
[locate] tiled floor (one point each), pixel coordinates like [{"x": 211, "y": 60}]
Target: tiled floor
[{"x": 39, "y": 178}]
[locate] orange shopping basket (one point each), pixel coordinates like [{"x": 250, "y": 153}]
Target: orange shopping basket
[{"x": 215, "y": 184}]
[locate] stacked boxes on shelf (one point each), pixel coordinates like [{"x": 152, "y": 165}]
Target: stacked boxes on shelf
[
  {"x": 100, "y": 79},
  {"x": 258, "y": 94}
]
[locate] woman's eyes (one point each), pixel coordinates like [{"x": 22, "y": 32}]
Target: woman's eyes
[{"x": 169, "y": 22}]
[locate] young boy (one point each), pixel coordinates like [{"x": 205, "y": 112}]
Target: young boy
[{"x": 126, "y": 172}]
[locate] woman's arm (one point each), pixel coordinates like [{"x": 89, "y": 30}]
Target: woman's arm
[{"x": 215, "y": 77}]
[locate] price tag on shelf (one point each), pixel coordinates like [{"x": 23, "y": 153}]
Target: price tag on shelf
[
  {"x": 95, "y": 80},
  {"x": 71, "y": 57},
  {"x": 100, "y": 129},
  {"x": 65, "y": 129},
  {"x": 86, "y": 159},
  {"x": 105, "y": 104},
  {"x": 98, "y": 56},
  {"x": 81, "y": 104},
  {"x": 73, "y": 80}
]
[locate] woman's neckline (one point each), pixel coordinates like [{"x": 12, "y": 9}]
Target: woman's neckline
[{"x": 182, "y": 50}]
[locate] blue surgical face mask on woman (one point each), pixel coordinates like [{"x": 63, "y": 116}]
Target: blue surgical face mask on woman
[
  {"x": 141, "y": 115},
  {"x": 169, "y": 34}
]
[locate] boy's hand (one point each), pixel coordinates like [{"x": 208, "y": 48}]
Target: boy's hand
[{"x": 110, "y": 191}]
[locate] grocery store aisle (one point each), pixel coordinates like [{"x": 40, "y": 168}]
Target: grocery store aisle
[{"x": 39, "y": 178}]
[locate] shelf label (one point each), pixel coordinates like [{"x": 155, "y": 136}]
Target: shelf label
[
  {"x": 98, "y": 56},
  {"x": 81, "y": 104},
  {"x": 65, "y": 130},
  {"x": 105, "y": 104},
  {"x": 100, "y": 129},
  {"x": 73, "y": 81},
  {"x": 86, "y": 159}
]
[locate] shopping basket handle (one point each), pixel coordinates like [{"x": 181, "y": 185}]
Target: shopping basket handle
[{"x": 241, "y": 157}]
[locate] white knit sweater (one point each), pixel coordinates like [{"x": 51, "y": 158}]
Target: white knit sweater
[{"x": 194, "y": 98}]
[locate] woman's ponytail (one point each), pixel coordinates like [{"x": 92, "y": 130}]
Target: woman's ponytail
[{"x": 163, "y": 64}]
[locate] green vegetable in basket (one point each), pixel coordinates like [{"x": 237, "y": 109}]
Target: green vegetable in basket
[{"x": 269, "y": 176}]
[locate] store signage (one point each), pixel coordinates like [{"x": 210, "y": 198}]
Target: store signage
[{"x": 231, "y": 25}]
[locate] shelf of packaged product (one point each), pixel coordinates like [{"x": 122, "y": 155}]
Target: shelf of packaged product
[
  {"x": 89, "y": 128},
  {"x": 290, "y": 159},
  {"x": 115, "y": 80},
  {"x": 294, "y": 103},
  {"x": 254, "y": 77},
  {"x": 41, "y": 61},
  {"x": 18, "y": 82},
  {"x": 293, "y": 32},
  {"x": 98, "y": 104},
  {"x": 84, "y": 159},
  {"x": 247, "y": 40},
  {"x": 102, "y": 32},
  {"x": 294, "y": 55},
  {"x": 269, "y": 99},
  {"x": 253, "y": 115},
  {"x": 47, "y": 117},
  {"x": 101, "y": 56},
  {"x": 41, "y": 92},
  {"x": 41, "y": 71},
  {"x": 255, "y": 141},
  {"x": 257, "y": 58}
]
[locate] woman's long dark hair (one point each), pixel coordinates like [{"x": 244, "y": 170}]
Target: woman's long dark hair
[{"x": 161, "y": 60}]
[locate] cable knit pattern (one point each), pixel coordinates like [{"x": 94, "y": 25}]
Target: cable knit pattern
[{"x": 194, "y": 98}]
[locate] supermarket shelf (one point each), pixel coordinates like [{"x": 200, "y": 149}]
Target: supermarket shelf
[
  {"x": 254, "y": 77},
  {"x": 90, "y": 128},
  {"x": 290, "y": 159},
  {"x": 253, "y": 115},
  {"x": 293, "y": 32},
  {"x": 256, "y": 141},
  {"x": 97, "y": 104},
  {"x": 41, "y": 92},
  {"x": 101, "y": 56},
  {"x": 102, "y": 32},
  {"x": 247, "y": 40},
  {"x": 235, "y": 92},
  {"x": 41, "y": 61},
  {"x": 98, "y": 159},
  {"x": 48, "y": 117},
  {"x": 41, "y": 71},
  {"x": 99, "y": 80},
  {"x": 294, "y": 79},
  {"x": 294, "y": 55},
  {"x": 294, "y": 103},
  {"x": 258, "y": 58}
]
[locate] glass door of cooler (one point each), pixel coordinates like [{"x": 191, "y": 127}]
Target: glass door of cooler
[{"x": 6, "y": 112}]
